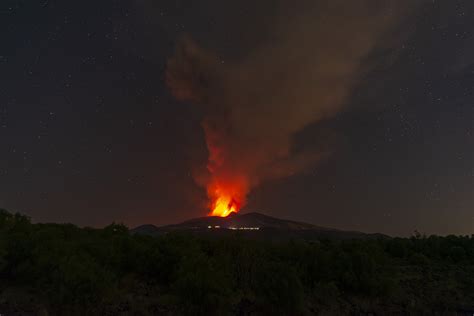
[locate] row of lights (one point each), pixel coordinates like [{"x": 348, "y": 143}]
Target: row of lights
[
  {"x": 244, "y": 228},
  {"x": 236, "y": 228}
]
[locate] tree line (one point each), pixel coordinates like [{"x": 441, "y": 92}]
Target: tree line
[{"x": 61, "y": 269}]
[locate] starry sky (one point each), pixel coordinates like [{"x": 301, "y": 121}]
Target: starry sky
[{"x": 90, "y": 133}]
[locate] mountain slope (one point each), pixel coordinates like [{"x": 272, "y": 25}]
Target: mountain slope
[{"x": 255, "y": 225}]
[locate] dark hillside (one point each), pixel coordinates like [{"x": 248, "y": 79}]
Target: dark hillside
[{"x": 253, "y": 225}]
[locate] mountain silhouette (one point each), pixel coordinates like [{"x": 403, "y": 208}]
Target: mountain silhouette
[{"x": 255, "y": 225}]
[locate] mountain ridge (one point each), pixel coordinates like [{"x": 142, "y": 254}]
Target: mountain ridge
[{"x": 254, "y": 224}]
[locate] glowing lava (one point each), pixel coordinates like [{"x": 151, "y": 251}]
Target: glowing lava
[
  {"x": 226, "y": 197},
  {"x": 223, "y": 206}
]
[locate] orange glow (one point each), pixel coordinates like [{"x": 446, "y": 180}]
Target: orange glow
[
  {"x": 223, "y": 206},
  {"x": 228, "y": 184},
  {"x": 226, "y": 197}
]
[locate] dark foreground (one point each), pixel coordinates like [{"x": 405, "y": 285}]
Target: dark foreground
[{"x": 48, "y": 269}]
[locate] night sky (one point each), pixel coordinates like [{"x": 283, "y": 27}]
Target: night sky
[{"x": 90, "y": 133}]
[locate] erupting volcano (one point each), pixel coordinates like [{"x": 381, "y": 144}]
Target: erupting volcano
[{"x": 254, "y": 106}]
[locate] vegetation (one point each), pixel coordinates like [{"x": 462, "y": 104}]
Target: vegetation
[{"x": 52, "y": 269}]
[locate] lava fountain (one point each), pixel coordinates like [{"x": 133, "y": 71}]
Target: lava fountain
[
  {"x": 226, "y": 197},
  {"x": 224, "y": 206}
]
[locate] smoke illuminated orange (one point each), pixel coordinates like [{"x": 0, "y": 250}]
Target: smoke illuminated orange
[{"x": 227, "y": 186}]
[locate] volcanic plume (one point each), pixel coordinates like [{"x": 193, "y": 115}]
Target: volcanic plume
[{"x": 302, "y": 74}]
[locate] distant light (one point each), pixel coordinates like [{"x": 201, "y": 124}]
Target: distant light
[{"x": 243, "y": 228}]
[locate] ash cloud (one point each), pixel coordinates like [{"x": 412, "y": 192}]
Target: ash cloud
[{"x": 303, "y": 73}]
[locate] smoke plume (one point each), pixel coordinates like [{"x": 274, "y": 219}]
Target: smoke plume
[{"x": 302, "y": 74}]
